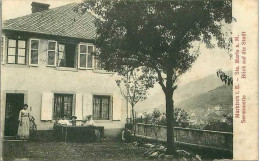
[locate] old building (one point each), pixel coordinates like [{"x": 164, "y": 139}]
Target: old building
[{"x": 47, "y": 63}]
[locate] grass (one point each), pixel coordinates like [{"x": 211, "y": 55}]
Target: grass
[{"x": 104, "y": 150}]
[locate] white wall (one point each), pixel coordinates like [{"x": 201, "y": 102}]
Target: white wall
[{"x": 37, "y": 80}]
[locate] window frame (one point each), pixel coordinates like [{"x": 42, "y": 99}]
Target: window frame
[
  {"x": 66, "y": 46},
  {"x": 16, "y": 51},
  {"x": 110, "y": 106},
  {"x": 87, "y": 54},
  {"x": 3, "y": 53},
  {"x": 30, "y": 51},
  {"x": 63, "y": 95},
  {"x": 55, "y": 53},
  {"x": 58, "y": 53}
]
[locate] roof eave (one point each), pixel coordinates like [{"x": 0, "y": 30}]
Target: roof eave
[{"x": 47, "y": 34}]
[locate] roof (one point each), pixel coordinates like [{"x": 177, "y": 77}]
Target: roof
[{"x": 60, "y": 21}]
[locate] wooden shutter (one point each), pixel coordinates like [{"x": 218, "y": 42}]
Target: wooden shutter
[
  {"x": 87, "y": 105},
  {"x": 47, "y": 104},
  {"x": 78, "y": 108},
  {"x": 117, "y": 106}
]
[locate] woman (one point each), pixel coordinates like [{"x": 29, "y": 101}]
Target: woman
[
  {"x": 90, "y": 121},
  {"x": 23, "y": 128}
]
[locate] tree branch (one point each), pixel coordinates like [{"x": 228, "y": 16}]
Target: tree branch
[{"x": 160, "y": 79}]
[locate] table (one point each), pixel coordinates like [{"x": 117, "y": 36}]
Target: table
[{"x": 78, "y": 133}]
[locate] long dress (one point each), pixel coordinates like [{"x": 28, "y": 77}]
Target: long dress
[{"x": 23, "y": 128}]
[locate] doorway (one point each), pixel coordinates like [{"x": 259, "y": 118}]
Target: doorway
[{"x": 14, "y": 103}]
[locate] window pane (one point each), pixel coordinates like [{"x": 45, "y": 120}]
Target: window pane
[
  {"x": 61, "y": 55},
  {"x": 52, "y": 46},
  {"x": 96, "y": 108},
  {"x": 51, "y": 57},
  {"x": 21, "y": 52},
  {"x": 62, "y": 59},
  {"x": 101, "y": 107},
  {"x": 21, "y": 44},
  {"x": 90, "y": 49},
  {"x": 21, "y": 60},
  {"x": 2, "y": 41},
  {"x": 11, "y": 51},
  {"x": 34, "y": 56},
  {"x": 11, "y": 59},
  {"x": 83, "y": 49},
  {"x": 34, "y": 44},
  {"x": 61, "y": 47},
  {"x": 105, "y": 108},
  {"x": 82, "y": 60},
  {"x": 11, "y": 43},
  {"x": 2, "y": 51},
  {"x": 62, "y": 106},
  {"x": 90, "y": 61},
  {"x": 67, "y": 106}
]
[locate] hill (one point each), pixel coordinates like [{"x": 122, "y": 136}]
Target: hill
[
  {"x": 182, "y": 94},
  {"x": 221, "y": 96}
]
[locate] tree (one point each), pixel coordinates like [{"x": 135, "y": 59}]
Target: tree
[
  {"x": 159, "y": 37},
  {"x": 180, "y": 116},
  {"x": 225, "y": 78},
  {"x": 133, "y": 87}
]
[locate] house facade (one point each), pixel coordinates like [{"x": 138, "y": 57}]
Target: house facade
[{"x": 47, "y": 63}]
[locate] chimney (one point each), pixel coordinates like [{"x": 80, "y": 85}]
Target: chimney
[{"x": 38, "y": 7}]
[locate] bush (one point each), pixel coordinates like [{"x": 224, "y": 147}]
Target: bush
[{"x": 181, "y": 118}]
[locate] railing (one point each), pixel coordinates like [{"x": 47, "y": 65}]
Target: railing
[{"x": 196, "y": 137}]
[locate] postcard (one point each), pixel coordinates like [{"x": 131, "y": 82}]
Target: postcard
[{"x": 129, "y": 80}]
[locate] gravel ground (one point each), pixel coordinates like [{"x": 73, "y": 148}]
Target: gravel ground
[{"x": 104, "y": 150}]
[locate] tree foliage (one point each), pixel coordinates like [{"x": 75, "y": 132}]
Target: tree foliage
[
  {"x": 181, "y": 118},
  {"x": 224, "y": 77},
  {"x": 134, "y": 85},
  {"x": 158, "y": 36}
]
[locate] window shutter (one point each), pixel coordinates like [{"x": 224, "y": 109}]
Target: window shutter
[
  {"x": 87, "y": 105},
  {"x": 78, "y": 108},
  {"x": 3, "y": 52},
  {"x": 47, "y": 103},
  {"x": 117, "y": 106}
]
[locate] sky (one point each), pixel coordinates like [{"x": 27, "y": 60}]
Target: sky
[
  {"x": 207, "y": 63},
  {"x": 17, "y": 8}
]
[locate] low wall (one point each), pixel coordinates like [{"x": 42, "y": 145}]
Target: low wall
[{"x": 194, "y": 137}]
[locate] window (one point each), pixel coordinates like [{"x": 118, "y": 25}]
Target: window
[
  {"x": 90, "y": 56},
  {"x": 63, "y": 104},
  {"x": 51, "y": 58},
  {"x": 2, "y": 48},
  {"x": 16, "y": 51},
  {"x": 101, "y": 107},
  {"x": 86, "y": 58},
  {"x": 66, "y": 57},
  {"x": 34, "y": 52}
]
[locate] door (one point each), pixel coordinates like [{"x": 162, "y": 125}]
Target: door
[{"x": 14, "y": 103}]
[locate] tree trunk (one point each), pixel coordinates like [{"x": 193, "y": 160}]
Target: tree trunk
[
  {"x": 168, "y": 91},
  {"x": 169, "y": 122},
  {"x": 171, "y": 149},
  {"x": 133, "y": 115}
]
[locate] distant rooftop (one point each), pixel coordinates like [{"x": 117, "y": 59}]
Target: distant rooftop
[{"x": 60, "y": 21}]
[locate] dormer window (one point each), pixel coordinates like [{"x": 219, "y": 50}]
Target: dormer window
[{"x": 16, "y": 51}]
